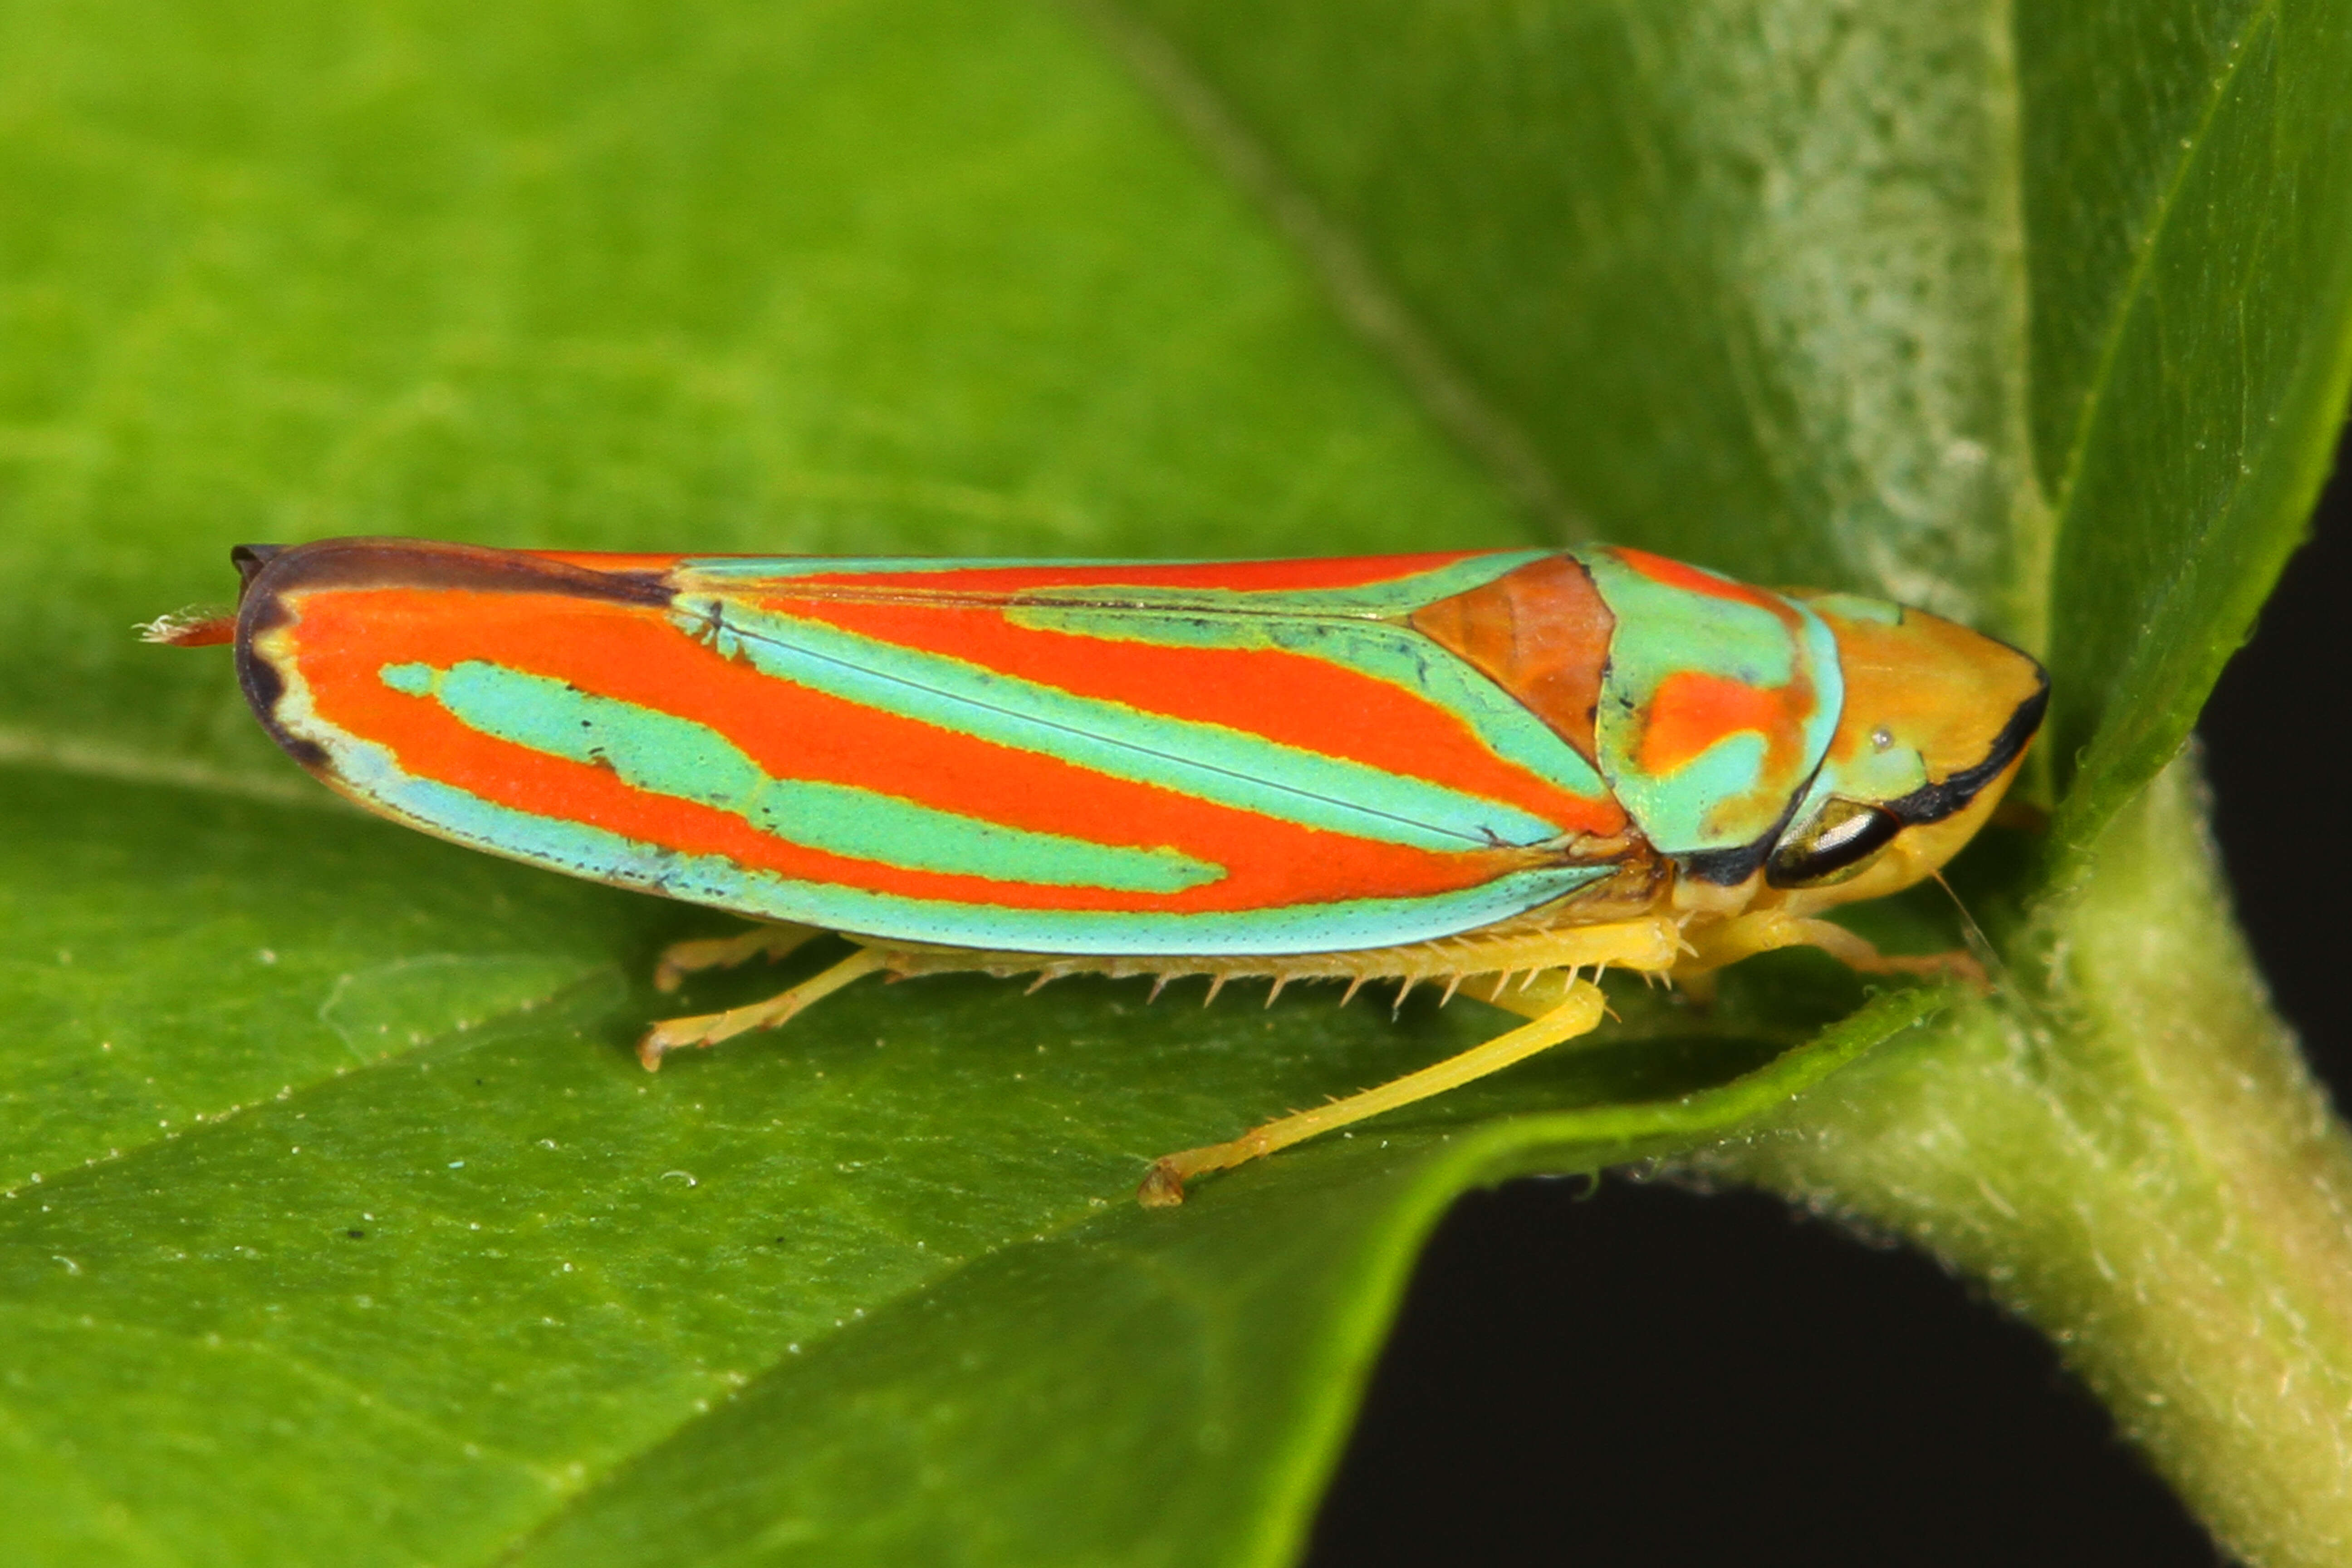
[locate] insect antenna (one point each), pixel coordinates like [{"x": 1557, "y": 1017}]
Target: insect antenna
[{"x": 1979, "y": 945}]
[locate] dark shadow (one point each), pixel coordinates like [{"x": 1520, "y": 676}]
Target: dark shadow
[{"x": 1654, "y": 1377}]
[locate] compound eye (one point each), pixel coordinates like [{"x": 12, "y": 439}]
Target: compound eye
[{"x": 1835, "y": 844}]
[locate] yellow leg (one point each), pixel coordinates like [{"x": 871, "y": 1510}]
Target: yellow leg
[
  {"x": 680, "y": 959},
  {"x": 1765, "y": 929},
  {"x": 1578, "y": 1011},
  {"x": 709, "y": 1029},
  {"x": 1533, "y": 995}
]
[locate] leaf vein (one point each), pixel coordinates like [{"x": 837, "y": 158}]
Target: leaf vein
[
  {"x": 1352, "y": 285},
  {"x": 31, "y": 750},
  {"x": 277, "y": 1355},
  {"x": 127, "y": 1529}
]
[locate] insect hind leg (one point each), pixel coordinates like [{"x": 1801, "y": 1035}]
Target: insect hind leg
[
  {"x": 1764, "y": 931},
  {"x": 1578, "y": 1011}
]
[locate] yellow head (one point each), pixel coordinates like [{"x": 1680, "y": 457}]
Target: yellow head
[{"x": 1936, "y": 719}]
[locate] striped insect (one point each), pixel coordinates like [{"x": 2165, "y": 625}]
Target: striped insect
[{"x": 1507, "y": 769}]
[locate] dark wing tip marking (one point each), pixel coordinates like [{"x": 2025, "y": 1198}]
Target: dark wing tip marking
[{"x": 271, "y": 570}]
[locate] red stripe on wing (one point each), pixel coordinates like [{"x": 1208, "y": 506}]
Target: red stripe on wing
[
  {"x": 1296, "y": 699},
  {"x": 630, "y": 653}
]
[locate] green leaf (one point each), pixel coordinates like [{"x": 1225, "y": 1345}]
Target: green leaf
[
  {"x": 340, "y": 1225},
  {"x": 2191, "y": 232},
  {"x": 2045, "y": 328},
  {"x": 1746, "y": 277}
]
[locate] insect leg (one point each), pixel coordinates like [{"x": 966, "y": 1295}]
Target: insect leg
[
  {"x": 680, "y": 959},
  {"x": 1533, "y": 995},
  {"x": 709, "y": 1029},
  {"x": 1762, "y": 931},
  {"x": 1579, "y": 1010},
  {"x": 1535, "y": 974}
]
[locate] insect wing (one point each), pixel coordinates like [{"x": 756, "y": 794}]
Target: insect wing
[
  {"x": 1718, "y": 704},
  {"x": 1254, "y": 757}
]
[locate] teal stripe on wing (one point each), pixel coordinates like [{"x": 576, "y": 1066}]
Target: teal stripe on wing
[
  {"x": 713, "y": 880},
  {"x": 664, "y": 754},
  {"x": 1208, "y": 762},
  {"x": 1379, "y": 648}
]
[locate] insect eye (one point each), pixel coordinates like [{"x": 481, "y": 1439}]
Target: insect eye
[{"x": 1831, "y": 846}]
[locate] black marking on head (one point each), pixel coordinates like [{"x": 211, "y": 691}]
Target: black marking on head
[
  {"x": 1935, "y": 801},
  {"x": 1929, "y": 803},
  {"x": 1727, "y": 867},
  {"x": 1839, "y": 840}
]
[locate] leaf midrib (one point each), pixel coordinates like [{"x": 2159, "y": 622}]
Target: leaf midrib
[
  {"x": 68, "y": 756},
  {"x": 1355, "y": 292}
]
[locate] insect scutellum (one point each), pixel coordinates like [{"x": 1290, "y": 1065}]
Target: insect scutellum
[{"x": 1501, "y": 771}]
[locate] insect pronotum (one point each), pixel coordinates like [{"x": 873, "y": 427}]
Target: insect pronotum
[{"x": 1503, "y": 770}]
